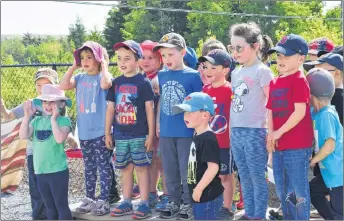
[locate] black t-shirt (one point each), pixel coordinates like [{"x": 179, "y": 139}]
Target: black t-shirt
[
  {"x": 129, "y": 95},
  {"x": 204, "y": 148},
  {"x": 337, "y": 101}
]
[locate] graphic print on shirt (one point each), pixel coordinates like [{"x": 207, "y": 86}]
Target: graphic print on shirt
[
  {"x": 192, "y": 165},
  {"x": 88, "y": 93},
  {"x": 239, "y": 91},
  {"x": 126, "y": 104},
  {"x": 173, "y": 93},
  {"x": 280, "y": 102},
  {"x": 218, "y": 122},
  {"x": 43, "y": 135}
]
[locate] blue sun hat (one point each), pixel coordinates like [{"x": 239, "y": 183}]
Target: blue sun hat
[{"x": 194, "y": 102}]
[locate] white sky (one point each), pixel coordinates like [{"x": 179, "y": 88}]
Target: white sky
[{"x": 54, "y": 18}]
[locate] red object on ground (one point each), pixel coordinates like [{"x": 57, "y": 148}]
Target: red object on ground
[
  {"x": 240, "y": 205},
  {"x": 74, "y": 153}
]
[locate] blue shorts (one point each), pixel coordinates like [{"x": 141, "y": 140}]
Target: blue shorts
[
  {"x": 132, "y": 150},
  {"x": 226, "y": 161}
]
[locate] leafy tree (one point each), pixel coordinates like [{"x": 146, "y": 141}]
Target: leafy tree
[
  {"x": 95, "y": 35},
  {"x": 77, "y": 32},
  {"x": 15, "y": 48}
]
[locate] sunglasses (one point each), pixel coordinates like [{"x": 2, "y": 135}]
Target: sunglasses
[{"x": 238, "y": 48}]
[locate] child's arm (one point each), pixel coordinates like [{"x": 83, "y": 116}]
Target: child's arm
[
  {"x": 270, "y": 143},
  {"x": 298, "y": 114},
  {"x": 207, "y": 177},
  {"x": 105, "y": 79},
  {"x": 60, "y": 133},
  {"x": 157, "y": 129},
  {"x": 326, "y": 150},
  {"x": 26, "y": 130},
  {"x": 110, "y": 113},
  {"x": 149, "y": 105},
  {"x": 68, "y": 82},
  {"x": 266, "y": 90}
]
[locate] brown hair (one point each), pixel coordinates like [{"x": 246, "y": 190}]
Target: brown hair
[{"x": 211, "y": 44}]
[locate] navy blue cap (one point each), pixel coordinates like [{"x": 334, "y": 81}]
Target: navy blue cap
[
  {"x": 218, "y": 57},
  {"x": 132, "y": 45},
  {"x": 290, "y": 45},
  {"x": 194, "y": 102},
  {"x": 338, "y": 50},
  {"x": 335, "y": 60}
]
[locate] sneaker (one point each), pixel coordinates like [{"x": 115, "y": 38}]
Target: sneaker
[
  {"x": 142, "y": 212},
  {"x": 161, "y": 205},
  {"x": 136, "y": 192},
  {"x": 114, "y": 199},
  {"x": 186, "y": 212},
  {"x": 234, "y": 208},
  {"x": 153, "y": 199},
  {"x": 86, "y": 206},
  {"x": 243, "y": 217},
  {"x": 102, "y": 207},
  {"x": 122, "y": 209},
  {"x": 225, "y": 214},
  {"x": 170, "y": 211}
]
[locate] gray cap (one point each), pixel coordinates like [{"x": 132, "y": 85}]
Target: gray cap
[
  {"x": 171, "y": 40},
  {"x": 321, "y": 82}
]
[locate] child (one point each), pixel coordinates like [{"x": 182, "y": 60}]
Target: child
[
  {"x": 204, "y": 158},
  {"x": 190, "y": 58},
  {"x": 177, "y": 82},
  {"x": 130, "y": 110},
  {"x": 288, "y": 118},
  {"x": 91, "y": 89},
  {"x": 150, "y": 64},
  {"x": 43, "y": 76},
  {"x": 329, "y": 147},
  {"x": 49, "y": 133},
  {"x": 318, "y": 47},
  {"x": 216, "y": 66},
  {"x": 250, "y": 83}
]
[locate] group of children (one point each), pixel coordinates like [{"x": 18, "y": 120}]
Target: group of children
[{"x": 240, "y": 114}]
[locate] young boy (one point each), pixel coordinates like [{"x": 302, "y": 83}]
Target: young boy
[
  {"x": 204, "y": 159},
  {"x": 290, "y": 132},
  {"x": 329, "y": 147},
  {"x": 175, "y": 83},
  {"x": 130, "y": 110},
  {"x": 216, "y": 66}
]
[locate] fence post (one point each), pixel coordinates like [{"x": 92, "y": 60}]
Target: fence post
[{"x": 54, "y": 67}]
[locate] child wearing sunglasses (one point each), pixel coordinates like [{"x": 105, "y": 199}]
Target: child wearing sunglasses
[{"x": 250, "y": 85}]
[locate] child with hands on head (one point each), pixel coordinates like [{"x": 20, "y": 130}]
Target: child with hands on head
[{"x": 49, "y": 133}]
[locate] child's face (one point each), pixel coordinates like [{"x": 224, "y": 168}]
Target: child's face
[
  {"x": 214, "y": 73},
  {"x": 88, "y": 62},
  {"x": 39, "y": 84},
  {"x": 48, "y": 107},
  {"x": 241, "y": 50},
  {"x": 127, "y": 64},
  {"x": 150, "y": 62},
  {"x": 172, "y": 58},
  {"x": 338, "y": 79},
  {"x": 289, "y": 64},
  {"x": 196, "y": 119},
  {"x": 204, "y": 79}
]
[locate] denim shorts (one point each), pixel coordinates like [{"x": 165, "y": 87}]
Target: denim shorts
[{"x": 209, "y": 210}]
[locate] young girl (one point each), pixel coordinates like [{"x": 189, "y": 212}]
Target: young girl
[
  {"x": 250, "y": 84},
  {"x": 150, "y": 64},
  {"x": 91, "y": 89},
  {"x": 49, "y": 133}
]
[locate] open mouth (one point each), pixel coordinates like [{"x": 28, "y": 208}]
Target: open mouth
[
  {"x": 169, "y": 64},
  {"x": 123, "y": 67}
]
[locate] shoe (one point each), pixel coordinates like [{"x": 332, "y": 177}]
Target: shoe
[
  {"x": 86, "y": 206},
  {"x": 102, "y": 207},
  {"x": 114, "y": 199},
  {"x": 170, "y": 211},
  {"x": 161, "y": 205},
  {"x": 143, "y": 212},
  {"x": 240, "y": 204},
  {"x": 186, "y": 212},
  {"x": 225, "y": 214},
  {"x": 136, "y": 192},
  {"x": 243, "y": 217},
  {"x": 122, "y": 209},
  {"x": 234, "y": 207},
  {"x": 153, "y": 199}
]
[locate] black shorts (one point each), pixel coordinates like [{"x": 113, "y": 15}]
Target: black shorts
[{"x": 226, "y": 161}]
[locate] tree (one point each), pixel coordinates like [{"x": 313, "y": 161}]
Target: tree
[
  {"x": 29, "y": 39},
  {"x": 77, "y": 33},
  {"x": 96, "y": 35},
  {"x": 15, "y": 48}
]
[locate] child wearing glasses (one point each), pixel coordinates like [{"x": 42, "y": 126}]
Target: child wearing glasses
[{"x": 250, "y": 85}]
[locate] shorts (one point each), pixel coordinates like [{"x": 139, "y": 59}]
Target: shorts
[
  {"x": 226, "y": 161},
  {"x": 132, "y": 150}
]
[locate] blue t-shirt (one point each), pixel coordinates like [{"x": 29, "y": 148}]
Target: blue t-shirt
[
  {"x": 174, "y": 87},
  {"x": 129, "y": 95},
  {"x": 327, "y": 125},
  {"x": 91, "y": 106}
]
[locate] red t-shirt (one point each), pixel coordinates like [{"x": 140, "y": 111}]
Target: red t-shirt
[
  {"x": 220, "y": 122},
  {"x": 284, "y": 93}
]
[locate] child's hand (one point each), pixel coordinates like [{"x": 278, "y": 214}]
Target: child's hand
[
  {"x": 312, "y": 164},
  {"x": 157, "y": 130},
  {"x": 109, "y": 141},
  {"x": 196, "y": 195},
  {"x": 75, "y": 66},
  {"x": 149, "y": 143},
  {"x": 104, "y": 65},
  {"x": 29, "y": 110},
  {"x": 276, "y": 135},
  {"x": 56, "y": 112},
  {"x": 270, "y": 144}
]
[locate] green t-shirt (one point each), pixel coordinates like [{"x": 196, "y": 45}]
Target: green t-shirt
[{"x": 48, "y": 156}]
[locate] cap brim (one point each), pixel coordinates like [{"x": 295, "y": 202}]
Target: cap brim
[
  {"x": 284, "y": 51},
  {"x": 176, "y": 109},
  {"x": 207, "y": 58},
  {"x": 313, "y": 51},
  {"x": 164, "y": 45},
  {"x": 38, "y": 101},
  {"x": 47, "y": 77},
  {"x": 122, "y": 44},
  {"x": 315, "y": 62}
]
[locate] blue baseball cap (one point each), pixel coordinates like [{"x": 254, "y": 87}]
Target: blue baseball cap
[
  {"x": 190, "y": 57},
  {"x": 335, "y": 60},
  {"x": 194, "y": 102},
  {"x": 218, "y": 57},
  {"x": 290, "y": 45},
  {"x": 132, "y": 45}
]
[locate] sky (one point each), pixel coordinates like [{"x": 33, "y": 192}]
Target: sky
[{"x": 54, "y": 18}]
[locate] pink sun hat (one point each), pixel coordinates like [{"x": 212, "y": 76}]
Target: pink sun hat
[
  {"x": 51, "y": 93},
  {"x": 95, "y": 47}
]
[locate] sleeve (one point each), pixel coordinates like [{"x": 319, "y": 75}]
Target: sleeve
[
  {"x": 211, "y": 151},
  {"x": 269, "y": 103},
  {"x": 265, "y": 76},
  {"x": 327, "y": 122},
  {"x": 64, "y": 122},
  {"x": 33, "y": 122},
  {"x": 111, "y": 92},
  {"x": 300, "y": 91},
  {"x": 147, "y": 90},
  {"x": 197, "y": 83},
  {"x": 76, "y": 78},
  {"x": 18, "y": 111}
]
